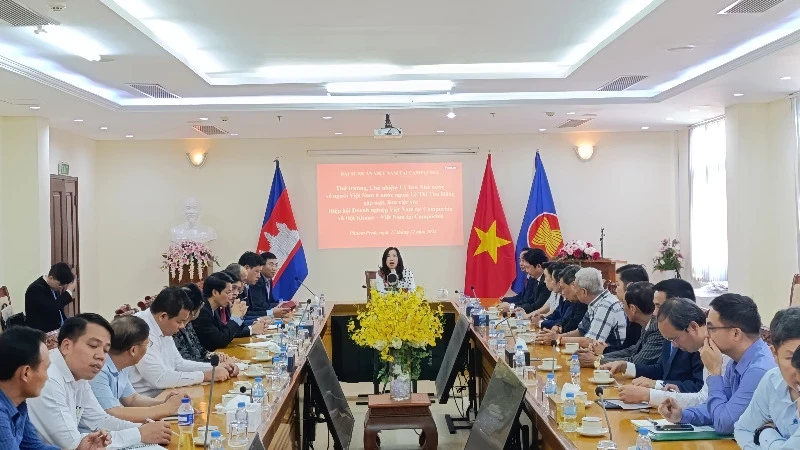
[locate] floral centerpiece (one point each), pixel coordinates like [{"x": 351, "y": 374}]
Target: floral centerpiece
[
  {"x": 400, "y": 326},
  {"x": 578, "y": 250},
  {"x": 669, "y": 257},
  {"x": 187, "y": 256}
]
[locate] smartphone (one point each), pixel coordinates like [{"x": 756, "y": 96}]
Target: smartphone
[{"x": 675, "y": 427}]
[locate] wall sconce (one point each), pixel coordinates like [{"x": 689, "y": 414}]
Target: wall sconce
[
  {"x": 197, "y": 158},
  {"x": 584, "y": 151}
]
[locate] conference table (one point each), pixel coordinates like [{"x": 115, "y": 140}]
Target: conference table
[{"x": 282, "y": 429}]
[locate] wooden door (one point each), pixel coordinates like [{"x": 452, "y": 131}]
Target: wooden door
[{"x": 64, "y": 229}]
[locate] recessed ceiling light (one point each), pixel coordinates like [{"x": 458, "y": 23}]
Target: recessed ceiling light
[
  {"x": 571, "y": 113},
  {"x": 542, "y": 129},
  {"x": 234, "y": 134},
  {"x": 337, "y": 133},
  {"x": 451, "y": 115},
  {"x": 682, "y": 48},
  {"x": 645, "y": 128},
  {"x": 786, "y": 78},
  {"x": 77, "y": 120},
  {"x": 670, "y": 118},
  {"x": 327, "y": 117},
  {"x": 103, "y": 128},
  {"x": 203, "y": 118},
  {"x": 440, "y": 131},
  {"x": 738, "y": 94},
  {"x": 35, "y": 107},
  {"x": 129, "y": 136}
]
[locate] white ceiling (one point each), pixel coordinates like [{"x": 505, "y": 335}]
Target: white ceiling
[{"x": 230, "y": 52}]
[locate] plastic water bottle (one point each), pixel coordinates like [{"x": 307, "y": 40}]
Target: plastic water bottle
[
  {"x": 257, "y": 393},
  {"x": 290, "y": 354},
  {"x": 519, "y": 318},
  {"x": 239, "y": 426},
  {"x": 216, "y": 441},
  {"x": 519, "y": 361},
  {"x": 643, "y": 442},
  {"x": 571, "y": 414},
  {"x": 322, "y": 305},
  {"x": 186, "y": 425},
  {"x": 575, "y": 370},
  {"x": 492, "y": 338},
  {"x": 550, "y": 388}
]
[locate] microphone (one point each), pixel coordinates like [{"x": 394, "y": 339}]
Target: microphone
[
  {"x": 554, "y": 343},
  {"x": 599, "y": 392},
  {"x": 474, "y": 295},
  {"x": 308, "y": 309},
  {"x": 514, "y": 336},
  {"x": 214, "y": 363},
  {"x": 309, "y": 290}
]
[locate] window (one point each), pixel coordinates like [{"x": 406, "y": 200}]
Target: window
[{"x": 709, "y": 207}]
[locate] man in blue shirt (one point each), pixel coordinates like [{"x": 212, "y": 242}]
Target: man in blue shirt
[
  {"x": 733, "y": 328},
  {"x": 22, "y": 376},
  {"x": 771, "y": 420}
]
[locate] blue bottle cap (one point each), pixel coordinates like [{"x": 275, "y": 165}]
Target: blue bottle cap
[
  {"x": 258, "y": 380},
  {"x": 644, "y": 431},
  {"x": 215, "y": 434},
  {"x": 185, "y": 400},
  {"x": 574, "y": 356},
  {"x": 570, "y": 395},
  {"x": 241, "y": 405},
  {"x": 551, "y": 376}
]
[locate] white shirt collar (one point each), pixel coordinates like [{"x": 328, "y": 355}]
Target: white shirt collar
[
  {"x": 148, "y": 317},
  {"x": 57, "y": 361}
]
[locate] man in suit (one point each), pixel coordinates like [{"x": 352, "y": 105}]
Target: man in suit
[
  {"x": 262, "y": 301},
  {"x": 211, "y": 332},
  {"x": 535, "y": 293},
  {"x": 46, "y": 298}
]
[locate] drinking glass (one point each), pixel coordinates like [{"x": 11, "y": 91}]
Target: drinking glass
[
  {"x": 238, "y": 434},
  {"x": 501, "y": 345}
]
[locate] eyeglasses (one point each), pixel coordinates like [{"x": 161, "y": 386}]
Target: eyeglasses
[{"x": 677, "y": 337}]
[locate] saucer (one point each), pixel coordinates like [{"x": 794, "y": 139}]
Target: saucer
[
  {"x": 594, "y": 433},
  {"x": 254, "y": 374},
  {"x": 236, "y": 391},
  {"x": 596, "y": 381},
  {"x": 198, "y": 441},
  {"x": 262, "y": 359},
  {"x": 557, "y": 367},
  {"x": 564, "y": 351}
]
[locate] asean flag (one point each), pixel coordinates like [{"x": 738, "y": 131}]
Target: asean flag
[
  {"x": 490, "y": 253},
  {"x": 540, "y": 227},
  {"x": 279, "y": 236}
]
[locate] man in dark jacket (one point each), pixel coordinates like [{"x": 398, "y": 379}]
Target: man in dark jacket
[
  {"x": 535, "y": 293},
  {"x": 46, "y": 298},
  {"x": 208, "y": 326}
]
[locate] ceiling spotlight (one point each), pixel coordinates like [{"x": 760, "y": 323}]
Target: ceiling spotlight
[
  {"x": 571, "y": 113},
  {"x": 738, "y": 94},
  {"x": 104, "y": 128},
  {"x": 77, "y": 120},
  {"x": 203, "y": 118},
  {"x": 337, "y": 133},
  {"x": 440, "y": 131},
  {"x": 670, "y": 118},
  {"x": 327, "y": 117},
  {"x": 693, "y": 110},
  {"x": 129, "y": 136},
  {"x": 786, "y": 78},
  {"x": 451, "y": 115},
  {"x": 542, "y": 129},
  {"x": 35, "y": 107},
  {"x": 645, "y": 128}
]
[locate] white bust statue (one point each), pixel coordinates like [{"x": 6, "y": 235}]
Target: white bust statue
[{"x": 192, "y": 230}]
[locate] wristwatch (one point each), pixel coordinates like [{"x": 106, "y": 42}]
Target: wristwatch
[{"x": 758, "y": 431}]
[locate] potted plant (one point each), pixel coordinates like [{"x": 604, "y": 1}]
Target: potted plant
[
  {"x": 669, "y": 257},
  {"x": 189, "y": 258}
]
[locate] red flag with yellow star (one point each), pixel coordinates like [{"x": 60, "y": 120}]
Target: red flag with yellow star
[{"x": 490, "y": 253}]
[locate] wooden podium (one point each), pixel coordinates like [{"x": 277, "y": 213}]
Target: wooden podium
[
  {"x": 199, "y": 275},
  {"x": 607, "y": 267}
]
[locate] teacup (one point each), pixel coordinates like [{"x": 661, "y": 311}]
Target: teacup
[
  {"x": 201, "y": 431},
  {"x": 226, "y": 398},
  {"x": 572, "y": 347},
  {"x": 548, "y": 363},
  {"x": 247, "y": 385},
  {"x": 592, "y": 424},
  {"x": 602, "y": 375}
]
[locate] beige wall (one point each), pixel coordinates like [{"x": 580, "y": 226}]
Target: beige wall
[{"x": 628, "y": 187}]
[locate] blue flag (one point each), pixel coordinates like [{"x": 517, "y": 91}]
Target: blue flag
[{"x": 540, "y": 227}]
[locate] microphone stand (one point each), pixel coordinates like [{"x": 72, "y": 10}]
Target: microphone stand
[
  {"x": 555, "y": 356},
  {"x": 473, "y": 292},
  {"x": 609, "y": 444},
  {"x": 214, "y": 363},
  {"x": 309, "y": 290}
]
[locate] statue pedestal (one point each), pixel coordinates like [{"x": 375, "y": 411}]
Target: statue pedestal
[{"x": 199, "y": 275}]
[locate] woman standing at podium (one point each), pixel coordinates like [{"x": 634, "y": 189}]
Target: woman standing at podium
[{"x": 392, "y": 275}]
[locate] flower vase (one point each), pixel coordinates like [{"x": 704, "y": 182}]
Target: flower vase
[{"x": 400, "y": 387}]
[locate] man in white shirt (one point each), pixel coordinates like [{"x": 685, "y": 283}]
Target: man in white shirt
[
  {"x": 67, "y": 403},
  {"x": 163, "y": 367}
]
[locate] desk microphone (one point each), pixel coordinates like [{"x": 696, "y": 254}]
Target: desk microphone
[
  {"x": 214, "y": 363},
  {"x": 506, "y": 320},
  {"x": 599, "y": 392},
  {"x": 309, "y": 290},
  {"x": 474, "y": 295}
]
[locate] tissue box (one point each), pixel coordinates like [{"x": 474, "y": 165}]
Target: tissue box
[{"x": 556, "y": 408}]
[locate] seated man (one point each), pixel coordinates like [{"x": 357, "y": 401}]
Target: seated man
[
  {"x": 627, "y": 274},
  {"x": 733, "y": 327},
  {"x": 46, "y": 298},
  {"x": 162, "y": 367},
  {"x": 605, "y": 320},
  {"x": 111, "y": 386},
  {"x": 211, "y": 332},
  {"x": 67, "y": 408},
  {"x": 770, "y": 421},
  {"x": 572, "y": 314},
  {"x": 22, "y": 376},
  {"x": 535, "y": 293},
  {"x": 262, "y": 295},
  {"x": 550, "y": 306},
  {"x": 639, "y": 307}
]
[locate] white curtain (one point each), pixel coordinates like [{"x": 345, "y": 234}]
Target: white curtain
[{"x": 709, "y": 207}]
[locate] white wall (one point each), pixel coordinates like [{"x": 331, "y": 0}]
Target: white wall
[
  {"x": 628, "y": 187},
  {"x": 80, "y": 154}
]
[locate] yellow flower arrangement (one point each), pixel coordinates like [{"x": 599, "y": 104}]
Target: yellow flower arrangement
[{"x": 400, "y": 325}]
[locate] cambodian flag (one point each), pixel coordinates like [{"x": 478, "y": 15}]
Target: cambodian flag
[
  {"x": 540, "y": 227},
  {"x": 279, "y": 235}
]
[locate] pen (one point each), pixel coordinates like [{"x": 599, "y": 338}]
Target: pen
[{"x": 149, "y": 420}]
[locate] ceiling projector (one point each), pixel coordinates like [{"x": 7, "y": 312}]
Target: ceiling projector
[{"x": 388, "y": 131}]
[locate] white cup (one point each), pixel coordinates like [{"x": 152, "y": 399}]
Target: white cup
[
  {"x": 238, "y": 384},
  {"x": 548, "y": 363},
  {"x": 602, "y": 375},
  {"x": 572, "y": 347},
  {"x": 592, "y": 424},
  {"x": 226, "y": 398}
]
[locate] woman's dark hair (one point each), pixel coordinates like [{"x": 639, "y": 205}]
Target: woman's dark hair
[
  {"x": 128, "y": 331},
  {"x": 19, "y": 346},
  {"x": 385, "y": 270},
  {"x": 553, "y": 267},
  {"x": 75, "y": 327},
  {"x": 171, "y": 300},
  {"x": 195, "y": 295}
]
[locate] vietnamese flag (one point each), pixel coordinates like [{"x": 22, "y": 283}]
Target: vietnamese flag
[{"x": 491, "y": 264}]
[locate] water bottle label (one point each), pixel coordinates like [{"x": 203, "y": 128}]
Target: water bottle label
[
  {"x": 185, "y": 419},
  {"x": 570, "y": 411}
]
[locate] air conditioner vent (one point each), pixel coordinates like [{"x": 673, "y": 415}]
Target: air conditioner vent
[
  {"x": 21, "y": 16},
  {"x": 573, "y": 123},
  {"x": 209, "y": 130},
  {"x": 750, "y": 6},
  {"x": 151, "y": 90},
  {"x": 19, "y": 101},
  {"x": 622, "y": 83}
]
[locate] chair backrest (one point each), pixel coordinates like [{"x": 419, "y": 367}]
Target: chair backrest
[
  {"x": 5, "y": 302},
  {"x": 766, "y": 335},
  {"x": 794, "y": 295},
  {"x": 370, "y": 276},
  {"x": 51, "y": 339}
]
